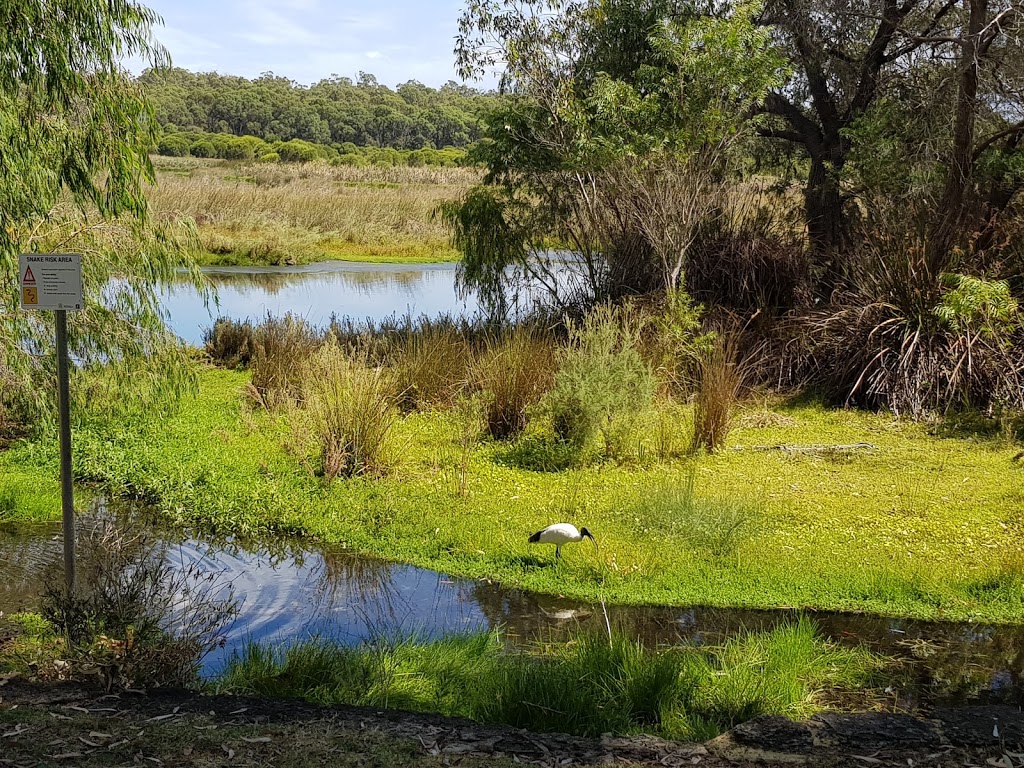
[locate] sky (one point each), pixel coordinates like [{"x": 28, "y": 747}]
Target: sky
[{"x": 308, "y": 40}]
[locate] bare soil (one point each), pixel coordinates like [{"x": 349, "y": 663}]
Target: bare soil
[{"x": 70, "y": 724}]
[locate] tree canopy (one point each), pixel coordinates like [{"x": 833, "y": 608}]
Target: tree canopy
[
  {"x": 75, "y": 133},
  {"x": 333, "y": 111}
]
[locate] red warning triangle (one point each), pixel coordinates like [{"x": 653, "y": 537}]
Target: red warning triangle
[{"x": 30, "y": 279}]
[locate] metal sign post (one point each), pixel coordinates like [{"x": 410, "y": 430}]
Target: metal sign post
[{"x": 53, "y": 281}]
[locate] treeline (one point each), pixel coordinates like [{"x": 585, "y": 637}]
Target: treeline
[
  {"x": 335, "y": 111},
  {"x": 226, "y": 146}
]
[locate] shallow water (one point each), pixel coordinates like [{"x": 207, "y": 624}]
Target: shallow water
[
  {"x": 317, "y": 291},
  {"x": 288, "y": 592}
]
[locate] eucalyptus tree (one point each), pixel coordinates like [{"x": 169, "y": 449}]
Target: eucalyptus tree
[
  {"x": 883, "y": 74},
  {"x": 75, "y": 134},
  {"x": 616, "y": 138}
]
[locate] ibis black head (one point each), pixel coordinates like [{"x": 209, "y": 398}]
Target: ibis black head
[{"x": 586, "y": 534}]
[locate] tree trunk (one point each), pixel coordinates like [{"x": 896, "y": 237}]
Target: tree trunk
[
  {"x": 823, "y": 207},
  {"x": 951, "y": 214}
]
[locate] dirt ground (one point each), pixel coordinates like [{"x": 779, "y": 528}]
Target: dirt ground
[{"x": 71, "y": 725}]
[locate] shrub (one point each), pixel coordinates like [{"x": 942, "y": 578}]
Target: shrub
[
  {"x": 299, "y": 151},
  {"x": 270, "y": 157},
  {"x": 279, "y": 350},
  {"x": 173, "y": 146},
  {"x": 135, "y": 617},
  {"x": 351, "y": 408},
  {"x": 602, "y": 384},
  {"x": 717, "y": 392},
  {"x": 229, "y": 342},
  {"x": 203, "y": 148},
  {"x": 513, "y": 371}
]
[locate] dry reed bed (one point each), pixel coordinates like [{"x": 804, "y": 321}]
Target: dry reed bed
[{"x": 351, "y": 205}]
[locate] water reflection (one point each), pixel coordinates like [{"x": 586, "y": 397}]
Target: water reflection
[
  {"x": 316, "y": 292},
  {"x": 290, "y": 592}
]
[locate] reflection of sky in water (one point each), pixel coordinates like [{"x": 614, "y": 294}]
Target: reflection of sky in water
[
  {"x": 288, "y": 593},
  {"x": 315, "y": 292}
]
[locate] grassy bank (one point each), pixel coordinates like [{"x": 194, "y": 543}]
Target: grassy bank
[
  {"x": 923, "y": 525},
  {"x": 262, "y": 214},
  {"x": 591, "y": 686}
]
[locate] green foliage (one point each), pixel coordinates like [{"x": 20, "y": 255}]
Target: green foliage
[
  {"x": 971, "y": 304},
  {"x": 173, "y": 146},
  {"x": 333, "y": 111},
  {"x": 76, "y": 135},
  {"x": 603, "y": 383},
  {"x": 589, "y": 686}
]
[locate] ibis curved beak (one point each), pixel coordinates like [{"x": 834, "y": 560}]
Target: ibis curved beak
[{"x": 591, "y": 537}]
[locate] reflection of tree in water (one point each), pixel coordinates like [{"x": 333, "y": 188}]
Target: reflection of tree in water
[
  {"x": 342, "y": 576},
  {"x": 365, "y": 283}
]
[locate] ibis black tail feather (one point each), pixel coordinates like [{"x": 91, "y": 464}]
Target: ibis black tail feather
[{"x": 535, "y": 539}]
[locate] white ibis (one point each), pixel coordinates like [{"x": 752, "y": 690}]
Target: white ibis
[{"x": 560, "y": 534}]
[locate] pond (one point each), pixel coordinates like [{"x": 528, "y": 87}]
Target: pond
[
  {"x": 318, "y": 291},
  {"x": 291, "y": 590}
]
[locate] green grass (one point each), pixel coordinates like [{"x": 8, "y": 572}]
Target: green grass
[
  {"x": 925, "y": 526},
  {"x": 592, "y": 685}
]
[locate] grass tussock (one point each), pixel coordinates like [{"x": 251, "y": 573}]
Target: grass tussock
[
  {"x": 716, "y": 526},
  {"x": 589, "y": 686},
  {"x": 717, "y": 393},
  {"x": 350, "y": 408},
  {"x": 279, "y": 349},
  {"x": 513, "y": 371}
]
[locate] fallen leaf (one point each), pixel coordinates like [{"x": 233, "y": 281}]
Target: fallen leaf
[
  {"x": 256, "y": 739},
  {"x": 230, "y": 752},
  {"x": 239, "y": 711}
]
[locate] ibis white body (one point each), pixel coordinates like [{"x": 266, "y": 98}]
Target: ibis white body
[{"x": 560, "y": 534}]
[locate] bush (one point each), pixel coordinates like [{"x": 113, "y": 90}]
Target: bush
[
  {"x": 602, "y": 384},
  {"x": 299, "y": 151},
  {"x": 270, "y": 157},
  {"x": 351, "y": 408},
  {"x": 203, "y": 148},
  {"x": 173, "y": 146},
  {"x": 136, "y": 618}
]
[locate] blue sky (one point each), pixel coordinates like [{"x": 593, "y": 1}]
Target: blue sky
[{"x": 307, "y": 40}]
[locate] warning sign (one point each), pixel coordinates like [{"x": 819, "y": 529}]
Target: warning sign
[{"x": 51, "y": 281}]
